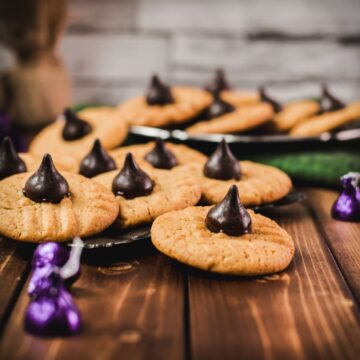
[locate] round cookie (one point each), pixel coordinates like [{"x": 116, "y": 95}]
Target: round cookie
[
  {"x": 188, "y": 102},
  {"x": 294, "y": 113},
  {"x": 328, "y": 121},
  {"x": 259, "y": 184},
  {"x": 183, "y": 236},
  {"x": 90, "y": 209},
  {"x": 107, "y": 125},
  {"x": 184, "y": 154},
  {"x": 239, "y": 98},
  {"x": 240, "y": 120},
  {"x": 174, "y": 189},
  {"x": 64, "y": 163}
]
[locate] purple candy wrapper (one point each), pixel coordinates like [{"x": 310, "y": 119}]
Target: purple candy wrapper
[
  {"x": 51, "y": 311},
  {"x": 50, "y": 253},
  {"x": 347, "y": 205}
]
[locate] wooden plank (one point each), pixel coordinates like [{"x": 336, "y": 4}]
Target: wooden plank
[
  {"x": 342, "y": 237},
  {"x": 304, "y": 312},
  {"x": 132, "y": 309},
  {"x": 13, "y": 272}
]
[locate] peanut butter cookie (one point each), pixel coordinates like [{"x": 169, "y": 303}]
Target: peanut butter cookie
[
  {"x": 240, "y": 120},
  {"x": 182, "y": 153},
  {"x": 328, "y": 121},
  {"x": 163, "y": 106},
  {"x": 49, "y": 206},
  {"x": 142, "y": 197},
  {"x": 74, "y": 134},
  {"x": 294, "y": 113},
  {"x": 184, "y": 236},
  {"x": 258, "y": 184},
  {"x": 240, "y": 98}
]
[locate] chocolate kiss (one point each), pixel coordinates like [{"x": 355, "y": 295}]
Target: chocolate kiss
[
  {"x": 219, "y": 83},
  {"x": 10, "y": 162},
  {"x": 329, "y": 102},
  {"x": 229, "y": 216},
  {"x": 158, "y": 93},
  {"x": 222, "y": 164},
  {"x": 97, "y": 161},
  {"x": 277, "y": 107},
  {"x": 131, "y": 181},
  {"x": 74, "y": 128},
  {"x": 160, "y": 156},
  {"x": 46, "y": 184},
  {"x": 217, "y": 108}
]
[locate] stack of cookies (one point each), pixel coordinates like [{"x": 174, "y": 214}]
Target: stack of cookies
[
  {"x": 76, "y": 181},
  {"x": 219, "y": 109}
]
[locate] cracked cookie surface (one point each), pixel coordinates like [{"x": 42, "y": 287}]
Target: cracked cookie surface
[
  {"x": 183, "y": 236},
  {"x": 90, "y": 209},
  {"x": 259, "y": 184},
  {"x": 107, "y": 125},
  {"x": 184, "y": 154},
  {"x": 240, "y": 120},
  {"x": 189, "y": 102},
  {"x": 174, "y": 189},
  {"x": 328, "y": 121},
  {"x": 294, "y": 113}
]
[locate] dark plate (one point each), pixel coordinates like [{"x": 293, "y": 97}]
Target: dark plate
[
  {"x": 251, "y": 143},
  {"x": 112, "y": 238}
]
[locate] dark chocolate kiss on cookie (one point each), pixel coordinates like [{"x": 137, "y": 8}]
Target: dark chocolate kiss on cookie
[
  {"x": 217, "y": 108},
  {"x": 160, "y": 156},
  {"x": 74, "y": 128},
  {"x": 10, "y": 161},
  {"x": 131, "y": 181},
  {"x": 158, "y": 93},
  {"x": 277, "y": 107},
  {"x": 46, "y": 184},
  {"x": 329, "y": 102},
  {"x": 97, "y": 161},
  {"x": 222, "y": 164},
  {"x": 219, "y": 83},
  {"x": 229, "y": 216}
]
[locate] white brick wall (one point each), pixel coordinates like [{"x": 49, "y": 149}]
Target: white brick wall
[
  {"x": 114, "y": 57},
  {"x": 330, "y": 17},
  {"x": 112, "y": 46}
]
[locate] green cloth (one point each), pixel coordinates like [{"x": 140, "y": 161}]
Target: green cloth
[{"x": 324, "y": 168}]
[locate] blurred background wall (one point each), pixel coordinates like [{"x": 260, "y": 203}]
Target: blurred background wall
[{"x": 112, "y": 46}]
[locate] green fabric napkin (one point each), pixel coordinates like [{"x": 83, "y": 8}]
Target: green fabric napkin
[{"x": 324, "y": 168}]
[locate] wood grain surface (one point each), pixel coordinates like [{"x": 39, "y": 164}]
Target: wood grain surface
[
  {"x": 304, "y": 312},
  {"x": 342, "y": 238},
  {"x": 14, "y": 261},
  {"x": 138, "y": 304},
  {"x": 132, "y": 307}
]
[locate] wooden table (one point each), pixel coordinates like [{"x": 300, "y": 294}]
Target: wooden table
[{"x": 138, "y": 304}]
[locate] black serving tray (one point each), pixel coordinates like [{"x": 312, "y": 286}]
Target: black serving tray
[
  {"x": 251, "y": 144},
  {"x": 111, "y": 238}
]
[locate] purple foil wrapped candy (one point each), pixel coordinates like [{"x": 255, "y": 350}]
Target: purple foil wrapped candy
[
  {"x": 44, "y": 279},
  {"x": 56, "y": 255},
  {"x": 347, "y": 205},
  {"x": 50, "y": 253},
  {"x": 52, "y": 311}
]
